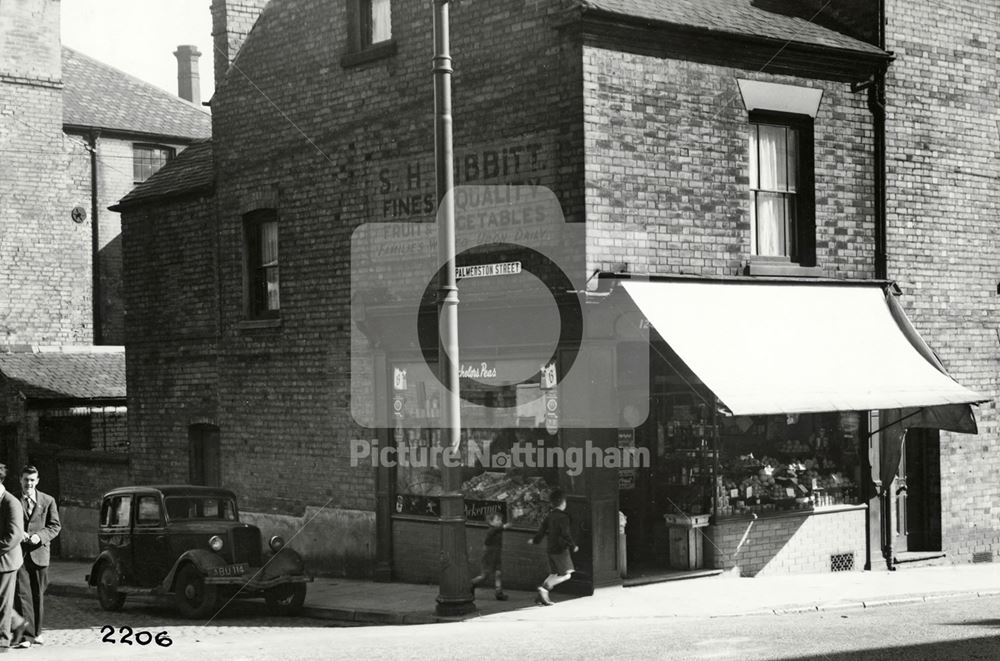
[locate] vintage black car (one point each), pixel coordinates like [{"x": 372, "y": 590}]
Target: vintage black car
[{"x": 187, "y": 541}]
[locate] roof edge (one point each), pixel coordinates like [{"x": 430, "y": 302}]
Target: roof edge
[
  {"x": 588, "y": 10},
  {"x": 126, "y": 134},
  {"x": 194, "y": 191}
]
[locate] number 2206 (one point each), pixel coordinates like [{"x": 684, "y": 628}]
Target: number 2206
[{"x": 141, "y": 637}]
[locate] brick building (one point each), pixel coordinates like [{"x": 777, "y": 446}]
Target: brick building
[
  {"x": 943, "y": 203},
  {"x": 712, "y": 145},
  {"x": 75, "y": 136}
]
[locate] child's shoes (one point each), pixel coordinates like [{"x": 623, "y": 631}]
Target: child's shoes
[{"x": 501, "y": 596}]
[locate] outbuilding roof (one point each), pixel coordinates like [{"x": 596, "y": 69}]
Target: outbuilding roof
[
  {"x": 188, "y": 172},
  {"x": 100, "y": 96},
  {"x": 65, "y": 373},
  {"x": 739, "y": 17}
]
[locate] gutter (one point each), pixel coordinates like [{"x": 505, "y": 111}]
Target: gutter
[{"x": 137, "y": 136}]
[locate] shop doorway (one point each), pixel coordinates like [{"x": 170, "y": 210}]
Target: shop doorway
[
  {"x": 676, "y": 485},
  {"x": 918, "y": 493}
]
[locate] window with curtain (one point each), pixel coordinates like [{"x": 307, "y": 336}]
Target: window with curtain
[
  {"x": 376, "y": 21},
  {"x": 261, "y": 234},
  {"x": 781, "y": 222}
]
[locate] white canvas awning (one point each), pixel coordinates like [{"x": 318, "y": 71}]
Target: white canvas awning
[{"x": 767, "y": 348}]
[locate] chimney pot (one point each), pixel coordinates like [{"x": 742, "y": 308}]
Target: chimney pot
[{"x": 188, "y": 80}]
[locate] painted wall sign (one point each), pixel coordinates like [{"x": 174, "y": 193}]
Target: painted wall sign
[{"x": 404, "y": 190}]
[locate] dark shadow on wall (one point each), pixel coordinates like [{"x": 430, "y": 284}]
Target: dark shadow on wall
[
  {"x": 750, "y": 544},
  {"x": 112, "y": 304}
]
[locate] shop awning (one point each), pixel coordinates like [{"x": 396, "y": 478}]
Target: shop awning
[{"x": 767, "y": 348}]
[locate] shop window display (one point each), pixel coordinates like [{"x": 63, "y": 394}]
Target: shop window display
[
  {"x": 728, "y": 466},
  {"x": 509, "y": 416},
  {"x": 779, "y": 462}
]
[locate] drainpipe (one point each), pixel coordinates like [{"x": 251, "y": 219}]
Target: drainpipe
[
  {"x": 876, "y": 104},
  {"x": 95, "y": 238}
]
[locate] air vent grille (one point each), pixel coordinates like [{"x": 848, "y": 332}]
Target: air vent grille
[{"x": 842, "y": 562}]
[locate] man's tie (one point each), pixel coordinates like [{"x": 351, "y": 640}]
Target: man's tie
[{"x": 29, "y": 506}]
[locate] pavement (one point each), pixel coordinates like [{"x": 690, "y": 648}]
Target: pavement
[{"x": 723, "y": 595}]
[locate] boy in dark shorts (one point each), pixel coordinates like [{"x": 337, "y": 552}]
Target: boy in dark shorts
[
  {"x": 557, "y": 527},
  {"x": 492, "y": 546}
]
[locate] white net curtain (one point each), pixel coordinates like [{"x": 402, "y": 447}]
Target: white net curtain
[{"x": 773, "y": 177}]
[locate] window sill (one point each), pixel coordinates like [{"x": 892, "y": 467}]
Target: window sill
[
  {"x": 782, "y": 268},
  {"x": 370, "y": 54},
  {"x": 252, "y": 324}
]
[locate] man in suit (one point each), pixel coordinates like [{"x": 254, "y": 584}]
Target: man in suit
[
  {"x": 41, "y": 526},
  {"x": 12, "y": 625}
]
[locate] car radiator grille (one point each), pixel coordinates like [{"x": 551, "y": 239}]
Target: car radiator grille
[{"x": 246, "y": 545}]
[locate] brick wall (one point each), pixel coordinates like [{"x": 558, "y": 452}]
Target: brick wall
[
  {"x": 668, "y": 168},
  {"x": 170, "y": 329},
  {"x": 231, "y": 22},
  {"x": 109, "y": 432},
  {"x": 943, "y": 164},
  {"x": 45, "y": 294},
  {"x": 280, "y": 395},
  {"x": 83, "y": 479},
  {"x": 791, "y": 544},
  {"x": 30, "y": 48}
]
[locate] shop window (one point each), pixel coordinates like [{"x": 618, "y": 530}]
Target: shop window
[
  {"x": 779, "y": 462},
  {"x": 782, "y": 224},
  {"x": 507, "y": 442},
  {"x": 260, "y": 230},
  {"x": 148, "y": 159},
  {"x": 204, "y": 455},
  {"x": 371, "y": 38}
]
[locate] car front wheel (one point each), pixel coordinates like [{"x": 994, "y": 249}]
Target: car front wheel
[
  {"x": 107, "y": 588},
  {"x": 193, "y": 597},
  {"x": 285, "y": 599}
]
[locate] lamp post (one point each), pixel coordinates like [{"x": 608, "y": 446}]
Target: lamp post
[{"x": 454, "y": 596}]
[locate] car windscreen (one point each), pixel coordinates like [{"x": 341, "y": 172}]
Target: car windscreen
[{"x": 200, "y": 507}]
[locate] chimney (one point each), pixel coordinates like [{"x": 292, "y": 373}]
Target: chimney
[
  {"x": 232, "y": 21},
  {"x": 188, "y": 82}
]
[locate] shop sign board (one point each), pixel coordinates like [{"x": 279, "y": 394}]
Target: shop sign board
[
  {"x": 487, "y": 270},
  {"x": 475, "y": 510},
  {"x": 626, "y": 476}
]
